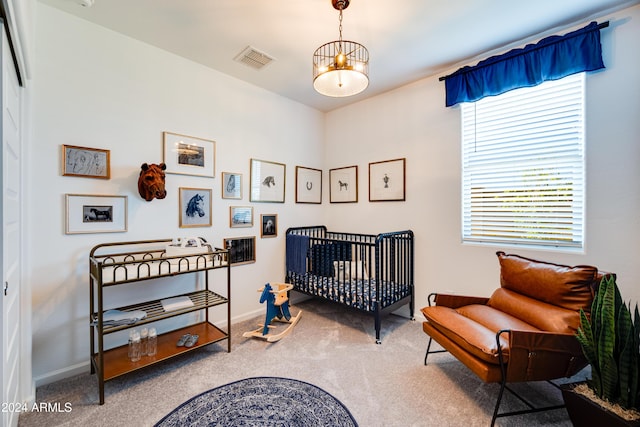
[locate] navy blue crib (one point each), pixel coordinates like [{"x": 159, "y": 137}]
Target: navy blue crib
[{"x": 372, "y": 273}]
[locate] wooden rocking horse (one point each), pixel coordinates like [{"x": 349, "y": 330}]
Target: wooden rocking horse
[{"x": 278, "y": 309}]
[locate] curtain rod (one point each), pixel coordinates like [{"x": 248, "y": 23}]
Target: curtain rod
[{"x": 600, "y": 26}]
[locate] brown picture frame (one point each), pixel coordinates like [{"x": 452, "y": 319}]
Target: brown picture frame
[
  {"x": 387, "y": 180},
  {"x": 86, "y": 162}
]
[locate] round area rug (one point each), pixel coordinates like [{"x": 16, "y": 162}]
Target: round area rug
[{"x": 262, "y": 401}]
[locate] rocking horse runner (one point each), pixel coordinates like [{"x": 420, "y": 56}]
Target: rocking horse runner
[{"x": 277, "y": 308}]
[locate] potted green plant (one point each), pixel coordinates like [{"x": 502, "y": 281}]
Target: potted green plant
[{"x": 610, "y": 340}]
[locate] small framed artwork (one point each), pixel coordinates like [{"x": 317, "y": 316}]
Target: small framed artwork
[
  {"x": 86, "y": 213},
  {"x": 86, "y": 162},
  {"x": 195, "y": 207},
  {"x": 240, "y": 216},
  {"x": 267, "y": 181},
  {"x": 188, "y": 155},
  {"x": 242, "y": 250},
  {"x": 231, "y": 185},
  {"x": 308, "y": 185},
  {"x": 269, "y": 225},
  {"x": 387, "y": 180},
  {"x": 343, "y": 185}
]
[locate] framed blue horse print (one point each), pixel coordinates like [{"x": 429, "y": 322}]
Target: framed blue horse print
[{"x": 195, "y": 207}]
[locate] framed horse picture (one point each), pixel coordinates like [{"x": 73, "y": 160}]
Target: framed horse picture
[
  {"x": 267, "y": 181},
  {"x": 86, "y": 213},
  {"x": 195, "y": 207},
  {"x": 343, "y": 185},
  {"x": 240, "y": 216}
]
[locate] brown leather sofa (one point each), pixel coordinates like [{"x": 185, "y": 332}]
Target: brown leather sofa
[{"x": 524, "y": 332}]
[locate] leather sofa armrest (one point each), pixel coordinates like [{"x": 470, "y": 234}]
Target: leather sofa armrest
[
  {"x": 537, "y": 356},
  {"x": 455, "y": 301}
]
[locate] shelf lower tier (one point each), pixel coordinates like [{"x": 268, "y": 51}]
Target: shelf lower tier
[
  {"x": 116, "y": 360},
  {"x": 201, "y": 299}
]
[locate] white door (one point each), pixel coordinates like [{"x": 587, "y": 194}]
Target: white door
[{"x": 11, "y": 228}]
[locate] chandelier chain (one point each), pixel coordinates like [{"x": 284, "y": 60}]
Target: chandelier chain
[{"x": 340, "y": 30}]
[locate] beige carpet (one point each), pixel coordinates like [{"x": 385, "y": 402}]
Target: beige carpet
[{"x": 331, "y": 347}]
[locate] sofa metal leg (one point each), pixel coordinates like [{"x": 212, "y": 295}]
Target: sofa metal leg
[
  {"x": 427, "y": 354},
  {"x": 430, "y": 352},
  {"x": 495, "y": 410},
  {"x": 532, "y": 409}
]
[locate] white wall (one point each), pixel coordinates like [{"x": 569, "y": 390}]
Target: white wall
[
  {"x": 413, "y": 122},
  {"x": 95, "y": 88}
]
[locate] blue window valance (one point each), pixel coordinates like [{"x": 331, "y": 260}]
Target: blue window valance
[{"x": 551, "y": 58}]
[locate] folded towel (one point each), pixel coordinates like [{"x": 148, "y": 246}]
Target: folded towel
[
  {"x": 120, "y": 317},
  {"x": 176, "y": 303},
  {"x": 296, "y": 253}
]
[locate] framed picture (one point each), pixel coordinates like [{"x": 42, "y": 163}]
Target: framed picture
[
  {"x": 308, "y": 185},
  {"x": 195, "y": 207},
  {"x": 267, "y": 181},
  {"x": 231, "y": 185},
  {"x": 188, "y": 155},
  {"x": 242, "y": 250},
  {"x": 86, "y": 162},
  {"x": 86, "y": 213},
  {"x": 269, "y": 226},
  {"x": 387, "y": 180},
  {"x": 240, "y": 216},
  {"x": 343, "y": 185}
]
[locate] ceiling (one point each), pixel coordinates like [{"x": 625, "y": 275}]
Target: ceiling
[{"x": 407, "y": 39}]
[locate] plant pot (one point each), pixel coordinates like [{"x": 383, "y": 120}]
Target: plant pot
[{"x": 585, "y": 412}]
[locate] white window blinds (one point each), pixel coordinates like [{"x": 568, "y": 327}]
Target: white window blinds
[{"x": 523, "y": 165}]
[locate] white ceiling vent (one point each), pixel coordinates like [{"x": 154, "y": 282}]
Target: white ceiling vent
[{"x": 253, "y": 58}]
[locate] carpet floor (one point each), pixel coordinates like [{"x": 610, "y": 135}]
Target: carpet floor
[{"x": 331, "y": 347}]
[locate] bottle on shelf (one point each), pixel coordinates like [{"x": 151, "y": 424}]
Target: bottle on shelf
[
  {"x": 144, "y": 341},
  {"x": 152, "y": 344},
  {"x": 131, "y": 332},
  {"x": 135, "y": 346}
]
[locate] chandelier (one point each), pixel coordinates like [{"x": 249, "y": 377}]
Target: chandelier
[{"x": 340, "y": 67}]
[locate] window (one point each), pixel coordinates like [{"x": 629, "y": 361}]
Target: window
[{"x": 523, "y": 166}]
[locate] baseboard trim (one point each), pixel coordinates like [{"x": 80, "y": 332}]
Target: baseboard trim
[{"x": 61, "y": 374}]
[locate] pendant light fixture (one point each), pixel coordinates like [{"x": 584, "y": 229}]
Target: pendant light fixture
[{"x": 341, "y": 67}]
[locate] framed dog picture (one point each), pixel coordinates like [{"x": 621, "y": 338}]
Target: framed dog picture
[{"x": 269, "y": 226}]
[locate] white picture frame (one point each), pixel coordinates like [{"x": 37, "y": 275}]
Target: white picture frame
[
  {"x": 268, "y": 181},
  {"x": 189, "y": 155},
  {"x": 95, "y": 213}
]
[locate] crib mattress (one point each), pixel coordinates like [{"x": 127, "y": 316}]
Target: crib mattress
[{"x": 361, "y": 294}]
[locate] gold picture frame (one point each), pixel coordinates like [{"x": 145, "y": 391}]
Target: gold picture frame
[{"x": 86, "y": 162}]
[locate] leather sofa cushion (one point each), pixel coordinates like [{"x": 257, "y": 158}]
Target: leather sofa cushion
[
  {"x": 473, "y": 327},
  {"x": 545, "y": 317},
  {"x": 561, "y": 285}
]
